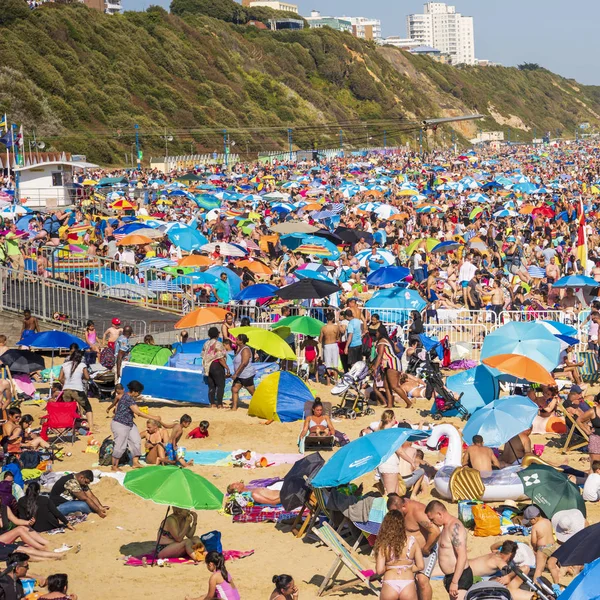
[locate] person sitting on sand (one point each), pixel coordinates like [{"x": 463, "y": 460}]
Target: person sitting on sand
[
  {"x": 478, "y": 457},
  {"x": 178, "y": 537},
  {"x": 39, "y": 508},
  {"x": 200, "y": 432},
  {"x": 220, "y": 584},
  {"x": 71, "y": 493},
  {"x": 317, "y": 423},
  {"x": 155, "y": 440},
  {"x": 285, "y": 588},
  {"x": 515, "y": 449},
  {"x": 29, "y": 439},
  {"x": 260, "y": 495},
  {"x": 58, "y": 588},
  {"x": 493, "y": 563}
]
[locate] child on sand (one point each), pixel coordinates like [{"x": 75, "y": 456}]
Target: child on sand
[
  {"x": 117, "y": 395},
  {"x": 220, "y": 584},
  {"x": 171, "y": 449},
  {"x": 542, "y": 541},
  {"x": 200, "y": 432}
]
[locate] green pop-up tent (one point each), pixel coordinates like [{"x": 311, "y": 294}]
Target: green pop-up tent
[{"x": 148, "y": 354}]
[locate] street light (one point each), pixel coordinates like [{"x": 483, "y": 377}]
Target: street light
[{"x": 167, "y": 138}]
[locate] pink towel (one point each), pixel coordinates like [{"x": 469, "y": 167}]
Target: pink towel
[{"x": 138, "y": 561}]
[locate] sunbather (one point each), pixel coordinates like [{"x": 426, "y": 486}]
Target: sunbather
[
  {"x": 259, "y": 495},
  {"x": 178, "y": 536},
  {"x": 317, "y": 423}
]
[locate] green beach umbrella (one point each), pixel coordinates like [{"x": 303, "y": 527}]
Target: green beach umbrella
[
  {"x": 304, "y": 325},
  {"x": 174, "y": 486},
  {"x": 550, "y": 490},
  {"x": 179, "y": 270}
]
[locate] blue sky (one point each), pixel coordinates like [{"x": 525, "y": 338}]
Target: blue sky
[{"x": 560, "y": 35}]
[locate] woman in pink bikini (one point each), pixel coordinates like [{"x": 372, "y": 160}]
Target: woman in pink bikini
[
  {"x": 220, "y": 584},
  {"x": 398, "y": 557}
]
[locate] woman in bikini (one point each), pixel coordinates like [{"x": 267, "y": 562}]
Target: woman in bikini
[
  {"x": 156, "y": 438},
  {"x": 397, "y": 557},
  {"x": 389, "y": 363},
  {"x": 285, "y": 588},
  {"x": 414, "y": 387},
  {"x": 317, "y": 423},
  {"x": 178, "y": 536}
]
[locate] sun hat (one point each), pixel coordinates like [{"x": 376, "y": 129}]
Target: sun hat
[{"x": 567, "y": 523}]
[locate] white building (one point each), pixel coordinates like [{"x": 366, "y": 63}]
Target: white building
[
  {"x": 316, "y": 21},
  {"x": 399, "y": 42},
  {"x": 441, "y": 27},
  {"x": 50, "y": 184},
  {"x": 364, "y": 28},
  {"x": 274, "y": 4},
  {"x": 113, "y": 7}
]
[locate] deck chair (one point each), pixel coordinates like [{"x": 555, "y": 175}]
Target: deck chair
[
  {"x": 60, "y": 421},
  {"x": 575, "y": 429},
  {"x": 345, "y": 557},
  {"x": 589, "y": 372},
  {"x": 315, "y": 507}
]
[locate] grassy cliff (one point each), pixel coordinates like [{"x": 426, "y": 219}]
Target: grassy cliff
[{"x": 82, "y": 80}]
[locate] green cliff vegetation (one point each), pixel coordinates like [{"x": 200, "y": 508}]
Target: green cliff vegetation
[{"x": 82, "y": 80}]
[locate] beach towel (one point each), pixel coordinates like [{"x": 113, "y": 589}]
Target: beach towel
[
  {"x": 222, "y": 458},
  {"x": 146, "y": 559},
  {"x": 261, "y": 514}
]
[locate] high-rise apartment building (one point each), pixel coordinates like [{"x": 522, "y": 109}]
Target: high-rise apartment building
[
  {"x": 365, "y": 28},
  {"x": 441, "y": 27}
]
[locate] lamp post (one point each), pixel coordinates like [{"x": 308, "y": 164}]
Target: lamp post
[{"x": 137, "y": 147}]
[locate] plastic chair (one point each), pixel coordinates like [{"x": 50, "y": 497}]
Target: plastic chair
[{"x": 60, "y": 421}]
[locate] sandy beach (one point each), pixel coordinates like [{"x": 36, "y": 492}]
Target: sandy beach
[{"x": 98, "y": 571}]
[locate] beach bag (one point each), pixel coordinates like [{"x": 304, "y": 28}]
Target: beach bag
[
  {"x": 212, "y": 541},
  {"x": 487, "y": 521},
  {"x": 465, "y": 512},
  {"x": 30, "y": 459},
  {"x": 107, "y": 358},
  {"x": 106, "y": 452}
]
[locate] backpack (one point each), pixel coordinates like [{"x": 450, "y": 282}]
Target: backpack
[
  {"x": 106, "y": 451},
  {"x": 30, "y": 459},
  {"x": 107, "y": 358}
]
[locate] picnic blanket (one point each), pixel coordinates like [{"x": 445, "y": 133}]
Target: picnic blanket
[
  {"x": 261, "y": 514},
  {"x": 223, "y": 458},
  {"x": 144, "y": 559}
]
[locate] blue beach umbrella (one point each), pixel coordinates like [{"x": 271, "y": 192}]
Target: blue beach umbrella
[
  {"x": 478, "y": 386},
  {"x": 443, "y": 247},
  {"x": 400, "y": 298},
  {"x": 195, "y": 279},
  {"x": 576, "y": 281},
  {"x": 255, "y": 292},
  {"x": 527, "y": 339},
  {"x": 310, "y": 274},
  {"x": 500, "y": 420},
  {"x": 385, "y": 255},
  {"x": 557, "y": 328},
  {"x": 363, "y": 456},
  {"x": 234, "y": 280},
  {"x": 52, "y": 340},
  {"x": 387, "y": 275},
  {"x": 108, "y": 277},
  {"x": 186, "y": 238}
]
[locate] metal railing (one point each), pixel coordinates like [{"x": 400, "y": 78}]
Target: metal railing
[{"x": 59, "y": 303}]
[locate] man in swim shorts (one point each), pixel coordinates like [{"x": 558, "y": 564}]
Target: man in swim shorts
[
  {"x": 329, "y": 338},
  {"x": 458, "y": 576}
]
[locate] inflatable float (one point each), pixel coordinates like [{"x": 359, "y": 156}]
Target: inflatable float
[{"x": 500, "y": 485}]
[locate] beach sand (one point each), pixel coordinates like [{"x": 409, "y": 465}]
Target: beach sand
[{"x": 98, "y": 572}]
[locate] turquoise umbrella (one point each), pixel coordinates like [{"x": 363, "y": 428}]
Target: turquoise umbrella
[
  {"x": 527, "y": 339},
  {"x": 500, "y": 420},
  {"x": 363, "y": 455}
]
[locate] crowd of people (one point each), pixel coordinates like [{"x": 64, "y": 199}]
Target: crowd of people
[{"x": 489, "y": 232}]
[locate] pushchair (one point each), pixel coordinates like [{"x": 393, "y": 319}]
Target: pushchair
[
  {"x": 102, "y": 385},
  {"x": 425, "y": 364},
  {"x": 542, "y": 588},
  {"x": 488, "y": 590},
  {"x": 353, "y": 402}
]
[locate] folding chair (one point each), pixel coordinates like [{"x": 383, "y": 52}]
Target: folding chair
[
  {"x": 345, "y": 557},
  {"x": 589, "y": 372},
  {"x": 60, "y": 421},
  {"x": 574, "y": 428}
]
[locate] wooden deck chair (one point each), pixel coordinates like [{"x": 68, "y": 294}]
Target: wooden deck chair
[
  {"x": 589, "y": 372},
  {"x": 303, "y": 523},
  {"x": 574, "y": 428},
  {"x": 345, "y": 557}
]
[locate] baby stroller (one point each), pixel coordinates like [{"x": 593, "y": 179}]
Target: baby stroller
[
  {"x": 488, "y": 590},
  {"x": 425, "y": 365},
  {"x": 542, "y": 588},
  {"x": 353, "y": 402},
  {"x": 102, "y": 385}
]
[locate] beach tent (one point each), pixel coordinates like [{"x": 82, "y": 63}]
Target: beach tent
[
  {"x": 280, "y": 397},
  {"x": 149, "y": 354}
]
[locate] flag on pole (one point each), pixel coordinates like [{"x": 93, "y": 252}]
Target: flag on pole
[
  {"x": 20, "y": 141},
  {"x": 582, "y": 247},
  {"x": 7, "y": 139},
  {"x": 4, "y": 123}
]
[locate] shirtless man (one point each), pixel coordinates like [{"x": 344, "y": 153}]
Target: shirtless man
[
  {"x": 452, "y": 553},
  {"x": 30, "y": 324},
  {"x": 542, "y": 541},
  {"x": 259, "y": 495},
  {"x": 516, "y": 448},
  {"x": 490, "y": 564},
  {"x": 329, "y": 338},
  {"x": 479, "y": 457},
  {"x": 112, "y": 333},
  {"x": 425, "y": 533}
]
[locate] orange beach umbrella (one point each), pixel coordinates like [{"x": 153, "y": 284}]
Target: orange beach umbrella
[{"x": 521, "y": 367}]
